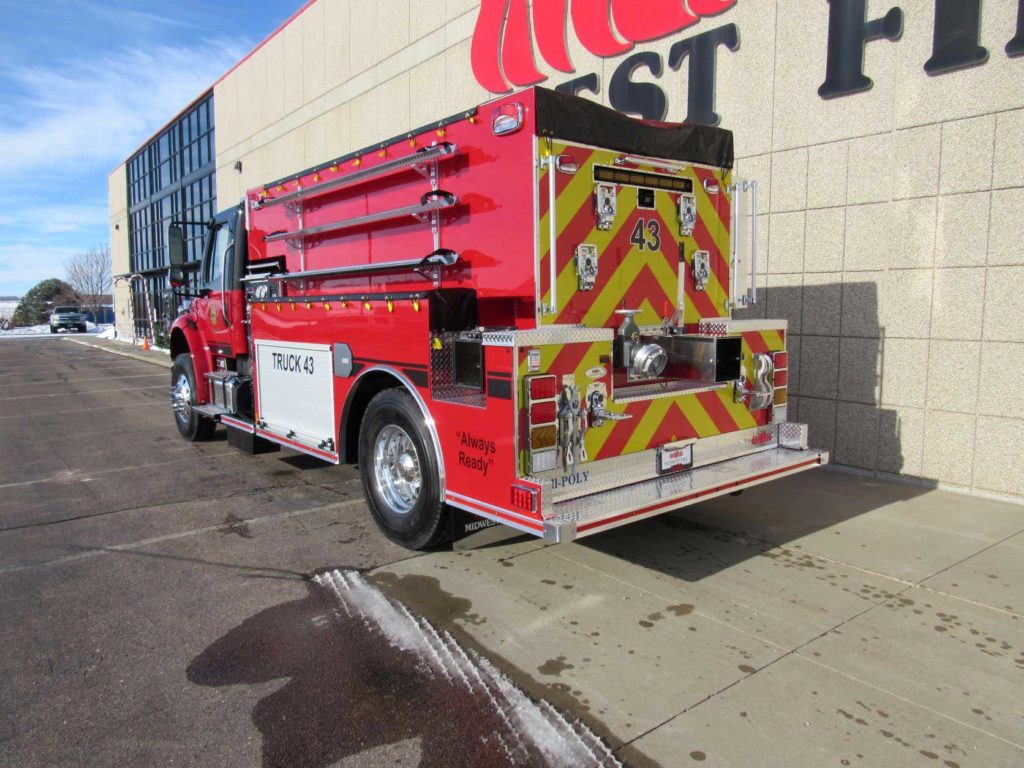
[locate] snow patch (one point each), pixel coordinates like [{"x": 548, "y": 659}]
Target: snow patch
[
  {"x": 28, "y": 330},
  {"x": 531, "y": 728}
]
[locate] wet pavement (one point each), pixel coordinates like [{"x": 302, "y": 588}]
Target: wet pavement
[{"x": 163, "y": 603}]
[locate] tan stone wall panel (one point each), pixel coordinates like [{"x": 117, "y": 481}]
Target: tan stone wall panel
[
  {"x": 992, "y": 87},
  {"x": 1006, "y": 231},
  {"x": 827, "y": 166},
  {"x": 427, "y": 90},
  {"x": 961, "y": 238},
  {"x": 912, "y": 239},
  {"x": 967, "y": 147},
  {"x": 314, "y": 52},
  {"x": 949, "y": 447},
  {"x": 801, "y": 117},
  {"x": 1000, "y": 455},
  {"x": 916, "y": 171},
  {"x": 376, "y": 31},
  {"x": 1008, "y": 168},
  {"x": 871, "y": 163},
  {"x": 953, "y": 375},
  {"x": 337, "y": 45}
]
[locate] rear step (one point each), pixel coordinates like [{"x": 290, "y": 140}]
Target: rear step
[{"x": 582, "y": 516}]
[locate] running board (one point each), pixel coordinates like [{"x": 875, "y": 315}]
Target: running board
[
  {"x": 582, "y": 516},
  {"x": 210, "y": 410}
]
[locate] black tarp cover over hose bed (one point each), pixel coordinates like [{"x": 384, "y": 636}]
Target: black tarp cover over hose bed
[{"x": 571, "y": 118}]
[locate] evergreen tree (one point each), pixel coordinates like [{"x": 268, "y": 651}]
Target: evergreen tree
[{"x": 34, "y": 307}]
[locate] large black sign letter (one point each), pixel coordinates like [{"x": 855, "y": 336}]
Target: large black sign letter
[
  {"x": 703, "y": 52},
  {"x": 644, "y": 99},
  {"x": 578, "y": 85},
  {"x": 955, "y": 39},
  {"x": 848, "y": 32},
  {"x": 1016, "y": 46}
]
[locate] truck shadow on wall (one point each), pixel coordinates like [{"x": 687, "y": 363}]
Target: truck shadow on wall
[{"x": 837, "y": 352}]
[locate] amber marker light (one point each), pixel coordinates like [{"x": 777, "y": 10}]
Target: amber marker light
[{"x": 543, "y": 437}]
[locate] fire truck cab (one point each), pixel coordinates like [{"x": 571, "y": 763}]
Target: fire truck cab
[{"x": 523, "y": 311}]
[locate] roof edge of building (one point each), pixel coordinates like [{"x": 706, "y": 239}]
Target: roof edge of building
[{"x": 209, "y": 89}]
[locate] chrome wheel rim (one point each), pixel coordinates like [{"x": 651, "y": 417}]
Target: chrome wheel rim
[
  {"x": 181, "y": 399},
  {"x": 396, "y": 469}
]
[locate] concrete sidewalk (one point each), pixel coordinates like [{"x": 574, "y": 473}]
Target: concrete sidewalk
[
  {"x": 825, "y": 619},
  {"x": 125, "y": 349}
]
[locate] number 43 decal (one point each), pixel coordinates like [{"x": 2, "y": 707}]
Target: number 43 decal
[{"x": 646, "y": 234}]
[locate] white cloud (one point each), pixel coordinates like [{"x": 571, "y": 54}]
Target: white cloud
[
  {"x": 98, "y": 111},
  {"x": 58, "y": 219},
  {"x": 22, "y": 265}
]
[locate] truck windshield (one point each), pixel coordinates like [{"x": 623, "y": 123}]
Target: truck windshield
[{"x": 66, "y": 309}]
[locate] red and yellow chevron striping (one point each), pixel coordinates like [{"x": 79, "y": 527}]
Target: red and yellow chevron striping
[
  {"x": 656, "y": 422},
  {"x": 630, "y": 276}
]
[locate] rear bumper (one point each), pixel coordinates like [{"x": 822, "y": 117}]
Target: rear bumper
[{"x": 574, "y": 518}]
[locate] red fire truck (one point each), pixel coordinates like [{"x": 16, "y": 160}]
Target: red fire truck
[{"x": 523, "y": 312}]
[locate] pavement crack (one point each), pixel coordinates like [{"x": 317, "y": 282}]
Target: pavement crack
[
  {"x": 146, "y": 507},
  {"x": 116, "y": 548}
]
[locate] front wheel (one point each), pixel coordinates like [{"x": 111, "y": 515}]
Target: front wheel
[
  {"x": 193, "y": 426},
  {"x": 399, "y": 469}
]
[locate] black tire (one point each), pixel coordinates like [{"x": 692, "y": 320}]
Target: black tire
[
  {"x": 192, "y": 426},
  {"x": 393, "y": 426},
  {"x": 52, "y": 329},
  {"x": 83, "y": 328}
]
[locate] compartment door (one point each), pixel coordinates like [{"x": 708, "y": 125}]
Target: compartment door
[{"x": 295, "y": 390}]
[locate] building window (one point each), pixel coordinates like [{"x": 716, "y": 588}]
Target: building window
[{"x": 172, "y": 178}]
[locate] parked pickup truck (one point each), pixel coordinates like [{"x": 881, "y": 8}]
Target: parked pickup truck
[{"x": 67, "y": 317}]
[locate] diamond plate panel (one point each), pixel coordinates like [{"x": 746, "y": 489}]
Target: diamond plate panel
[
  {"x": 793, "y": 436},
  {"x": 442, "y": 376},
  {"x": 551, "y": 334},
  {"x": 723, "y": 325}
]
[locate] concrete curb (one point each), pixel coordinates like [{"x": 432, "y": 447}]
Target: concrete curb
[{"x": 156, "y": 358}]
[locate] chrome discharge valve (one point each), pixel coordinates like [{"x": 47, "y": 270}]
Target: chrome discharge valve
[
  {"x": 641, "y": 361},
  {"x": 649, "y": 361}
]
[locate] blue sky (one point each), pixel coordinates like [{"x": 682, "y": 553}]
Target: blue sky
[{"x": 82, "y": 84}]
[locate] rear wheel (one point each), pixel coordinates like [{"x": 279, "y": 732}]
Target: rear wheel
[
  {"x": 399, "y": 469},
  {"x": 193, "y": 426}
]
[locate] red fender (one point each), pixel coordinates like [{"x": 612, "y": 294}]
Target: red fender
[{"x": 201, "y": 361}]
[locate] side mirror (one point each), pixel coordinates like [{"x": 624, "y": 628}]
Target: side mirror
[{"x": 176, "y": 247}]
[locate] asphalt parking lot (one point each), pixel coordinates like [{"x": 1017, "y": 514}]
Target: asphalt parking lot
[{"x": 157, "y": 607}]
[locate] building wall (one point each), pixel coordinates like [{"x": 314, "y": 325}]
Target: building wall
[
  {"x": 120, "y": 262},
  {"x": 889, "y": 235}
]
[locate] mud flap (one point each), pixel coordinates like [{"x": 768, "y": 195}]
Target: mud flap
[
  {"x": 472, "y": 532},
  {"x": 248, "y": 442}
]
